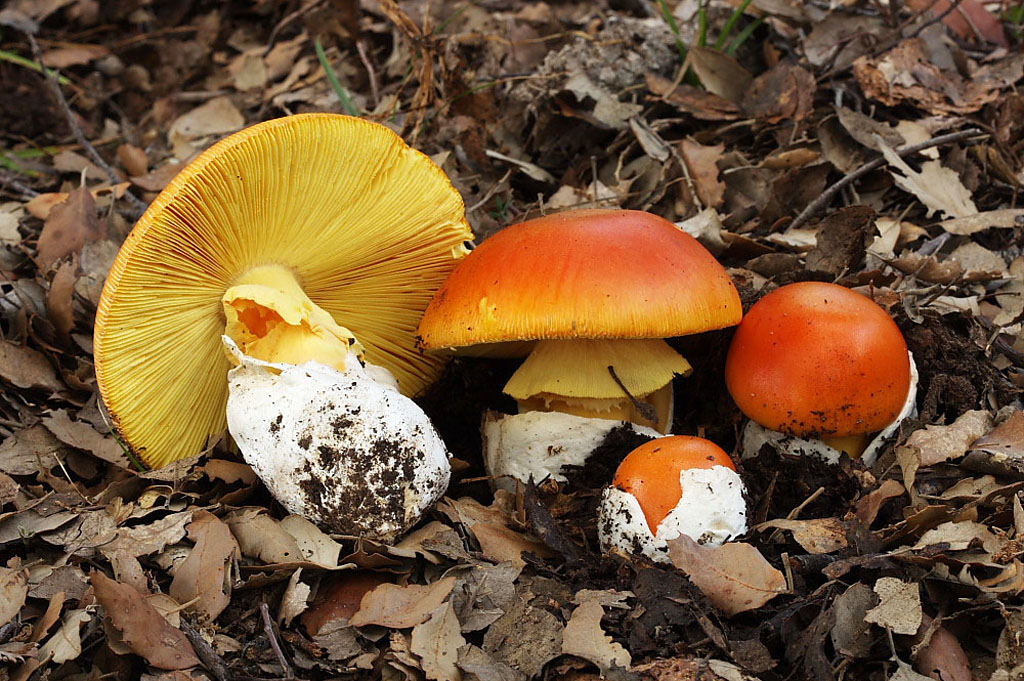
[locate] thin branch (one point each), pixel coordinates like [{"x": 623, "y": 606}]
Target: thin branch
[
  {"x": 268, "y": 627},
  {"x": 111, "y": 174},
  {"x": 205, "y": 652},
  {"x": 822, "y": 201}
]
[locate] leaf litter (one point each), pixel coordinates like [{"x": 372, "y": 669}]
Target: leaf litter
[{"x": 911, "y": 568}]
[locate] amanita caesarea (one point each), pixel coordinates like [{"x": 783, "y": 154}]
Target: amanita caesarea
[
  {"x": 820, "y": 369},
  {"x": 667, "y": 487},
  {"x": 265, "y": 244},
  {"x": 588, "y": 297}
]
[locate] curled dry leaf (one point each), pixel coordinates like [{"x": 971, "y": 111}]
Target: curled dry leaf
[
  {"x": 899, "y": 608},
  {"x": 437, "y": 642},
  {"x": 142, "y": 627},
  {"x": 584, "y": 637},
  {"x": 735, "y": 576},
  {"x": 870, "y": 504},
  {"x": 204, "y": 578},
  {"x": 401, "y": 607}
]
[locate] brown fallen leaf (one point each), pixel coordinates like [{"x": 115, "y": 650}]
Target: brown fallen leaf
[
  {"x": 205, "y": 577},
  {"x": 968, "y": 19},
  {"x": 816, "y": 535},
  {"x": 59, "y": 299},
  {"x": 13, "y": 592},
  {"x": 702, "y": 161},
  {"x": 132, "y": 159},
  {"x": 735, "y": 576},
  {"x": 935, "y": 444},
  {"x": 870, "y": 504},
  {"x": 699, "y": 103},
  {"x": 143, "y": 629},
  {"x": 27, "y": 368},
  {"x": 71, "y": 54},
  {"x": 68, "y": 226},
  {"x": 720, "y": 73},
  {"x": 401, "y": 607},
  {"x": 584, "y": 637},
  {"x": 81, "y": 435},
  {"x": 158, "y": 179},
  {"x": 490, "y": 526},
  {"x": 339, "y": 598},
  {"x": 940, "y": 655},
  {"x": 783, "y": 92},
  {"x": 437, "y": 642}
]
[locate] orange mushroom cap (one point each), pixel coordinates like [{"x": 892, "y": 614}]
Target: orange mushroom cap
[
  {"x": 651, "y": 472},
  {"x": 816, "y": 359},
  {"x": 600, "y": 274}
]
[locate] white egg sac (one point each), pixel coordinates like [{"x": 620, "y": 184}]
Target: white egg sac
[
  {"x": 542, "y": 443},
  {"x": 711, "y": 510},
  {"x": 345, "y": 451}
]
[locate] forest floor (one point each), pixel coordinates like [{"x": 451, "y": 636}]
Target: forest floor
[{"x": 878, "y": 145}]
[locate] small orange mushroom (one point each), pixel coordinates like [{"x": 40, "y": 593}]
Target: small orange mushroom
[
  {"x": 819, "y": 360},
  {"x": 680, "y": 485}
]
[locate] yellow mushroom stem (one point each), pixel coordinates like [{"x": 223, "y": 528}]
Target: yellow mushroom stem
[
  {"x": 271, "y": 318},
  {"x": 573, "y": 377},
  {"x": 853, "y": 445}
]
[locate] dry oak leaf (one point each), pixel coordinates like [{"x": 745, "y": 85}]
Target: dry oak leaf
[
  {"x": 900, "y": 606},
  {"x": 583, "y": 636},
  {"x": 937, "y": 187},
  {"x": 935, "y": 444},
  {"x": 702, "y": 163},
  {"x": 205, "y": 576},
  {"x": 81, "y": 435},
  {"x": 437, "y": 642},
  {"x": 68, "y": 226},
  {"x": 142, "y": 627},
  {"x": 735, "y": 576},
  {"x": 401, "y": 607},
  {"x": 26, "y": 368}
]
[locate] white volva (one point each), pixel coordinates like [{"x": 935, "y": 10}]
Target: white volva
[
  {"x": 343, "y": 449},
  {"x": 710, "y": 511},
  {"x": 756, "y": 436},
  {"x": 542, "y": 443}
]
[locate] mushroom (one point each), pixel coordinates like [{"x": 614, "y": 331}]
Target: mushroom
[
  {"x": 816, "y": 360},
  {"x": 272, "y": 235},
  {"x": 589, "y": 296},
  {"x": 675, "y": 485}
]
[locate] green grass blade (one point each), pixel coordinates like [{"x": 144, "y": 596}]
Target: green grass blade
[
  {"x": 731, "y": 24},
  {"x": 332, "y": 78},
  {"x": 29, "y": 64},
  {"x": 702, "y": 25},
  {"x": 742, "y": 37}
]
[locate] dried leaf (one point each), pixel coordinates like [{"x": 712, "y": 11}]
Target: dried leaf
[
  {"x": 941, "y": 656},
  {"x": 205, "y": 575},
  {"x": 851, "y": 634},
  {"x": 699, "y": 103},
  {"x": 13, "y": 592},
  {"x": 935, "y": 444},
  {"x": 959, "y": 536},
  {"x": 59, "y": 307},
  {"x": 73, "y": 55},
  {"x": 525, "y": 638},
  {"x": 937, "y": 187},
  {"x": 437, "y": 642},
  {"x": 261, "y": 537},
  {"x": 401, "y": 607},
  {"x": 735, "y": 577},
  {"x": 702, "y": 162},
  {"x": 719, "y": 73},
  {"x": 142, "y": 628},
  {"x": 478, "y": 663},
  {"x": 28, "y": 451},
  {"x": 68, "y": 226},
  {"x": 900, "y": 606},
  {"x": 66, "y": 642},
  {"x": 816, "y": 536},
  {"x": 27, "y": 368},
  {"x": 81, "y": 435},
  {"x": 294, "y": 600},
  {"x": 783, "y": 92},
  {"x": 583, "y": 636},
  {"x": 967, "y": 18},
  {"x": 870, "y": 504},
  {"x": 1006, "y": 218}
]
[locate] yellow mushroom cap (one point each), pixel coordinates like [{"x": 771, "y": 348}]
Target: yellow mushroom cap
[{"x": 369, "y": 228}]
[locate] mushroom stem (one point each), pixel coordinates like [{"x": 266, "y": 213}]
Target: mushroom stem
[
  {"x": 271, "y": 318},
  {"x": 853, "y": 445}
]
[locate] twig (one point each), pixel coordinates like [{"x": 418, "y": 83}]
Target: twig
[
  {"x": 305, "y": 9},
  {"x": 268, "y": 627},
  {"x": 205, "y": 652},
  {"x": 822, "y": 201},
  {"x": 8, "y": 181},
  {"x": 112, "y": 175},
  {"x": 365, "y": 57},
  {"x": 646, "y": 410}
]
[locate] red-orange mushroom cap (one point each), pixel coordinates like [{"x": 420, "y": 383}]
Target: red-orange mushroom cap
[
  {"x": 612, "y": 274},
  {"x": 818, "y": 360}
]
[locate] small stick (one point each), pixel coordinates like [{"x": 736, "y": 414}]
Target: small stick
[
  {"x": 8, "y": 181},
  {"x": 268, "y": 627},
  {"x": 822, "y": 201},
  {"x": 112, "y": 176},
  {"x": 646, "y": 410},
  {"x": 365, "y": 57},
  {"x": 205, "y": 652}
]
